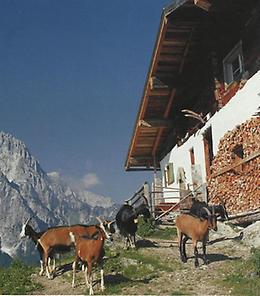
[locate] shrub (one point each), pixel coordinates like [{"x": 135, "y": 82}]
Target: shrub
[
  {"x": 150, "y": 230},
  {"x": 145, "y": 229}
]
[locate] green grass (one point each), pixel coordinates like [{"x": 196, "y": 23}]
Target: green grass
[
  {"x": 16, "y": 279},
  {"x": 150, "y": 230},
  {"x": 126, "y": 268},
  {"x": 256, "y": 260},
  {"x": 244, "y": 276}
]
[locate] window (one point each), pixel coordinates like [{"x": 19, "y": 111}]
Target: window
[
  {"x": 192, "y": 156},
  {"x": 238, "y": 152},
  {"x": 169, "y": 174},
  {"x": 237, "y": 155},
  {"x": 233, "y": 64}
]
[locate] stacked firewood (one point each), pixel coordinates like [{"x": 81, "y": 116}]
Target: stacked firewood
[{"x": 235, "y": 177}]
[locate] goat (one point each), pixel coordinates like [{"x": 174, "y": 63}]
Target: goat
[
  {"x": 27, "y": 230},
  {"x": 60, "y": 237},
  {"x": 198, "y": 209},
  {"x": 195, "y": 229},
  {"x": 90, "y": 250},
  {"x": 127, "y": 219}
]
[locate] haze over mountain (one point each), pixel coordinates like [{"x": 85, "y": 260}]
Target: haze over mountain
[{"x": 27, "y": 190}]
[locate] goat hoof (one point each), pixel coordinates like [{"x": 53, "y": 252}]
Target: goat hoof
[
  {"x": 206, "y": 262},
  {"x": 51, "y": 277}
]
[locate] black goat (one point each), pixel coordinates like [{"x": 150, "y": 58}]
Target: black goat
[
  {"x": 127, "y": 219},
  {"x": 198, "y": 209}
]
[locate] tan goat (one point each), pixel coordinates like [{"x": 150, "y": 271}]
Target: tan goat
[{"x": 190, "y": 227}]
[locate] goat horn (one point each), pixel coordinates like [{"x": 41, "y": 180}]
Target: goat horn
[
  {"x": 213, "y": 210},
  {"x": 207, "y": 210},
  {"x": 99, "y": 220},
  {"x": 30, "y": 218}
]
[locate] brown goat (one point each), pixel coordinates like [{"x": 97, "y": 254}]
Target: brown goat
[
  {"x": 90, "y": 250},
  {"x": 190, "y": 227},
  {"x": 60, "y": 237}
]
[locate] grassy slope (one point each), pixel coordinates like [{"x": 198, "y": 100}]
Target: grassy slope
[{"x": 16, "y": 279}]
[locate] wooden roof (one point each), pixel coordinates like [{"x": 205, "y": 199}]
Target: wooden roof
[
  {"x": 185, "y": 39},
  {"x": 177, "y": 35}
]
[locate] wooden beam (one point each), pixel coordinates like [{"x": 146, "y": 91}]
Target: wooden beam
[
  {"x": 155, "y": 122},
  {"x": 159, "y": 92},
  {"x": 135, "y": 160},
  {"x": 156, "y": 83},
  {"x": 204, "y": 4},
  {"x": 170, "y": 58},
  {"x": 186, "y": 50},
  {"x": 242, "y": 161},
  {"x": 166, "y": 114}
]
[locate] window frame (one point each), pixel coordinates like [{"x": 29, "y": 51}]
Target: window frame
[
  {"x": 169, "y": 174},
  {"x": 230, "y": 74}
]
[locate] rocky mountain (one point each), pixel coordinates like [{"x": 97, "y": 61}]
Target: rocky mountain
[{"x": 27, "y": 190}]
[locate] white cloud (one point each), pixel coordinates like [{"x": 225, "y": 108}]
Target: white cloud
[{"x": 90, "y": 180}]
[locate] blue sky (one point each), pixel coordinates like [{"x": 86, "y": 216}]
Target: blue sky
[{"x": 72, "y": 73}]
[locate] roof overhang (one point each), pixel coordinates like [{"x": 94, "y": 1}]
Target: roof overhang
[{"x": 153, "y": 123}]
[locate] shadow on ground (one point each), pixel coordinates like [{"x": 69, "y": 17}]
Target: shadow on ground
[
  {"x": 115, "y": 279},
  {"x": 223, "y": 238},
  {"x": 145, "y": 243},
  {"x": 215, "y": 258}
]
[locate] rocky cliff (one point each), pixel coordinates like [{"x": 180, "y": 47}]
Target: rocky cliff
[{"x": 26, "y": 190}]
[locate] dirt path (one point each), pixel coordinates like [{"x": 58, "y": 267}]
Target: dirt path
[{"x": 185, "y": 279}]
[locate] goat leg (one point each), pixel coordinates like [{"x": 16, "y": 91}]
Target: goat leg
[
  {"x": 47, "y": 267},
  {"x": 184, "y": 256},
  {"x": 196, "y": 253},
  {"x": 204, "y": 251},
  {"x": 53, "y": 264},
  {"x": 74, "y": 264},
  {"x": 180, "y": 237},
  {"x": 90, "y": 278},
  {"x": 127, "y": 242},
  {"x": 132, "y": 241},
  {"x": 102, "y": 279},
  {"x": 42, "y": 268},
  {"x": 86, "y": 275}
]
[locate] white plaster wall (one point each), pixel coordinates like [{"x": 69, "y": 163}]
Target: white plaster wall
[{"x": 239, "y": 109}]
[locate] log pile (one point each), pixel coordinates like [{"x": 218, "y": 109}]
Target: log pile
[{"x": 235, "y": 170}]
